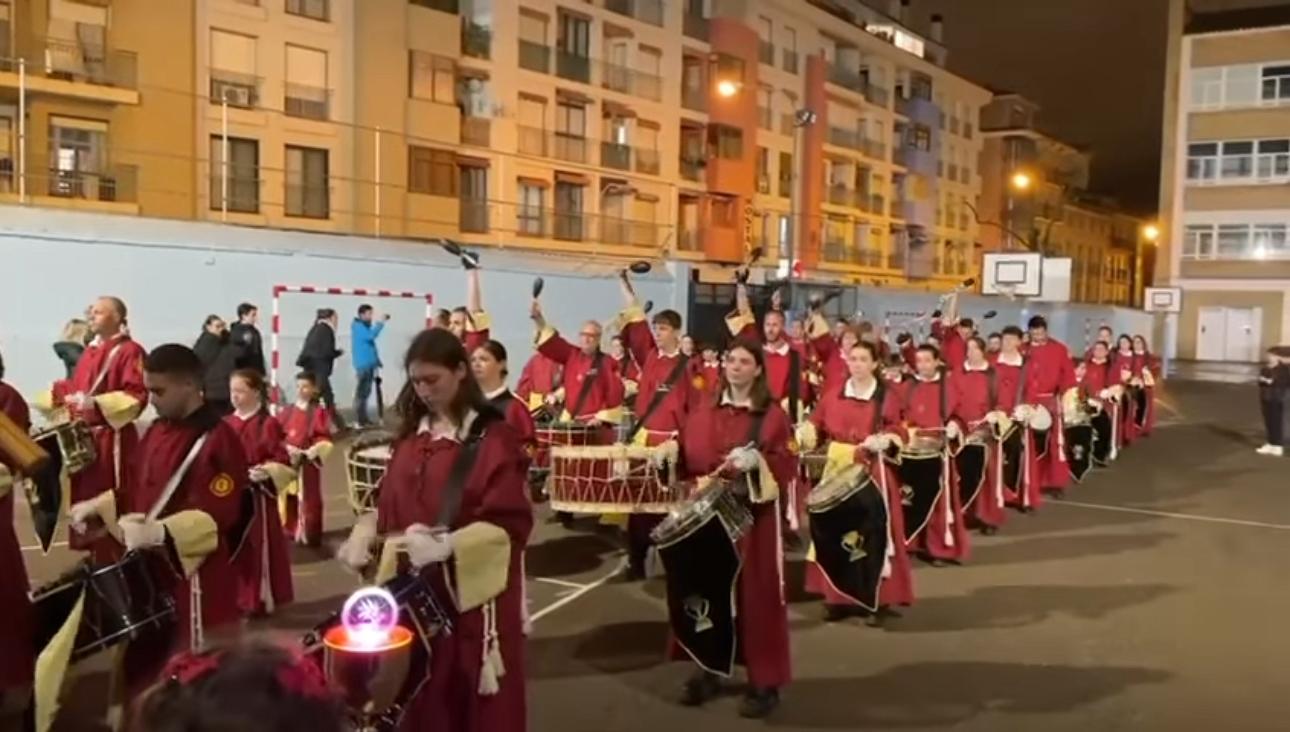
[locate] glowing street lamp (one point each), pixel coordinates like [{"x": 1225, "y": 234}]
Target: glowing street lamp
[
  {"x": 1151, "y": 233},
  {"x": 1020, "y": 181},
  {"x": 727, "y": 88}
]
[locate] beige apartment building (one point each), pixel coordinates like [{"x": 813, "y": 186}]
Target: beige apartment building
[{"x": 1225, "y": 184}]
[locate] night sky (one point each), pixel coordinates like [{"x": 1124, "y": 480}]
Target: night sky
[{"x": 1096, "y": 67}]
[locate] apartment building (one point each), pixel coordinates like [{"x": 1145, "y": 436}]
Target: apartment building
[
  {"x": 1034, "y": 196},
  {"x": 107, "y": 102},
  {"x": 1224, "y": 193}
]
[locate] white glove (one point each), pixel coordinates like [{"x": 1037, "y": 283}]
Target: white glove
[
  {"x": 258, "y": 475},
  {"x": 994, "y": 417},
  {"x": 664, "y": 453},
  {"x": 76, "y": 400},
  {"x": 1104, "y": 394},
  {"x": 744, "y": 459},
  {"x": 295, "y": 454},
  {"x": 953, "y": 431},
  {"x": 426, "y": 546},
  {"x": 1022, "y": 413},
  {"x": 1096, "y": 404},
  {"x": 82, "y": 511},
  {"x": 550, "y": 400},
  {"x": 140, "y": 532},
  {"x": 356, "y": 551},
  {"x": 874, "y": 443}
]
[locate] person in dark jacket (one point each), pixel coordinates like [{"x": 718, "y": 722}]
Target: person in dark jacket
[
  {"x": 71, "y": 344},
  {"x": 319, "y": 354},
  {"x": 214, "y": 348},
  {"x": 249, "y": 348},
  {"x": 1274, "y": 386}
]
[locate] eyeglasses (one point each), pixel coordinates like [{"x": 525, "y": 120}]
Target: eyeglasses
[{"x": 589, "y": 334}]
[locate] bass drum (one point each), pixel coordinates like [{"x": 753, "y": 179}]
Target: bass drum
[
  {"x": 365, "y": 462},
  {"x": 849, "y": 534}
]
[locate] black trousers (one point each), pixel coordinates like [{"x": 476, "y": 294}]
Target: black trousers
[{"x": 1274, "y": 421}]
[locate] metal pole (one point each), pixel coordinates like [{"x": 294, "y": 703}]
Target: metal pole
[
  {"x": 223, "y": 163},
  {"x": 378, "y": 183},
  {"x": 802, "y": 118},
  {"x": 22, "y": 130}
]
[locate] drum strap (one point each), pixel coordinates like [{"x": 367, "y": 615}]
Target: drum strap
[
  {"x": 991, "y": 387},
  {"x": 794, "y": 383},
  {"x": 588, "y": 381},
  {"x": 173, "y": 484},
  {"x": 660, "y": 393},
  {"x": 103, "y": 372},
  {"x": 450, "y": 504},
  {"x": 754, "y": 432}
]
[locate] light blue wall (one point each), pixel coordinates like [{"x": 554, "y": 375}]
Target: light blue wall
[{"x": 173, "y": 274}]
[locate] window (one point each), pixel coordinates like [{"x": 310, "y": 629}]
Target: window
[
  {"x": 729, "y": 68},
  {"x": 1237, "y": 241},
  {"x": 243, "y": 174},
  {"x": 574, "y": 36},
  {"x": 1232, "y": 242},
  {"x": 533, "y": 27},
  {"x": 726, "y": 142},
  {"x": 790, "y": 50},
  {"x": 1202, "y": 161},
  {"x": 316, "y": 9},
  {"x": 1276, "y": 84},
  {"x": 1269, "y": 241},
  {"x": 571, "y": 119},
  {"x": 78, "y": 157},
  {"x": 308, "y": 190},
  {"x": 922, "y": 138},
  {"x": 232, "y": 70},
  {"x": 1237, "y": 160},
  {"x": 1207, "y": 88},
  {"x": 529, "y": 216},
  {"x": 785, "y": 175},
  {"x": 1273, "y": 161},
  {"x": 432, "y": 171},
  {"x": 569, "y": 198},
  {"x": 763, "y": 170},
  {"x": 306, "y": 88},
  {"x": 431, "y": 77}
]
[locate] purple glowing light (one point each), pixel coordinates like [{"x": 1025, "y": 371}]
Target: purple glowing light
[{"x": 370, "y": 616}]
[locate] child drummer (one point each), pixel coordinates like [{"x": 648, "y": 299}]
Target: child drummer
[{"x": 308, "y": 435}]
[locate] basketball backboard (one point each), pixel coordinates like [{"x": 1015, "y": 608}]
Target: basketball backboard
[
  {"x": 1016, "y": 274},
  {"x": 1056, "y": 280},
  {"x": 1162, "y": 299}
]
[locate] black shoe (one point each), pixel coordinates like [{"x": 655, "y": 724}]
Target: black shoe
[
  {"x": 792, "y": 541},
  {"x": 701, "y": 687},
  {"x": 875, "y": 619},
  {"x": 836, "y": 613},
  {"x": 565, "y": 518},
  {"x": 988, "y": 530},
  {"x": 937, "y": 562},
  {"x": 634, "y": 572},
  {"x": 758, "y": 703}
]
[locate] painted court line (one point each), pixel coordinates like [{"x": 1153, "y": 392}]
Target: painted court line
[
  {"x": 578, "y": 593},
  {"x": 1169, "y": 514},
  {"x": 559, "y": 582}
]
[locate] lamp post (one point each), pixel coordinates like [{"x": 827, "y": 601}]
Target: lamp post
[{"x": 802, "y": 118}]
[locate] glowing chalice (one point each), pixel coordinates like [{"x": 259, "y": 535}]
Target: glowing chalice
[{"x": 368, "y": 654}]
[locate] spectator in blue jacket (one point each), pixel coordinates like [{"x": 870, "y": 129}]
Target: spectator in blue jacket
[{"x": 363, "y": 333}]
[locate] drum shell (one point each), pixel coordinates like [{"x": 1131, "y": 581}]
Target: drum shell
[
  {"x": 611, "y": 479},
  {"x": 922, "y": 446},
  {"x": 836, "y": 490},
  {"x": 715, "y": 501}
]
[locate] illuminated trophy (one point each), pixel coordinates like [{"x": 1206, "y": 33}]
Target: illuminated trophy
[{"x": 368, "y": 654}]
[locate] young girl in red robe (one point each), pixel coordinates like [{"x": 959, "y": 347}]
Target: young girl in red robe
[
  {"x": 1124, "y": 367},
  {"x": 929, "y": 405},
  {"x": 264, "y": 563},
  {"x": 1146, "y": 368},
  {"x": 714, "y": 439},
  {"x": 1100, "y": 380},
  {"x": 488, "y": 364},
  {"x": 471, "y": 555},
  {"x": 1025, "y": 490},
  {"x": 308, "y": 442},
  {"x": 976, "y": 388},
  {"x": 846, "y": 417}
]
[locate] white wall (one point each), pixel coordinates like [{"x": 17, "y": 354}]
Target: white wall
[{"x": 173, "y": 274}]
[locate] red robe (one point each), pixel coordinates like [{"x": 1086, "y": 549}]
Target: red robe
[
  {"x": 710, "y": 433},
  {"x": 655, "y": 369},
  {"x": 1148, "y": 364},
  {"x": 1027, "y": 495},
  {"x": 122, "y": 372},
  {"x": 540, "y": 376},
  {"x": 779, "y": 366},
  {"x": 264, "y": 564},
  {"x": 976, "y": 395},
  {"x": 303, "y": 429},
  {"x": 953, "y": 347},
  {"x": 1126, "y": 367},
  {"x": 708, "y": 379},
  {"x": 832, "y": 363},
  {"x": 850, "y": 420},
  {"x": 214, "y": 484},
  {"x": 606, "y": 393},
  {"x": 495, "y": 492},
  {"x": 945, "y": 536},
  {"x": 1048, "y": 375},
  {"x": 17, "y": 654}
]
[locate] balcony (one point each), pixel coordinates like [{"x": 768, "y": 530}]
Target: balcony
[
  {"x": 785, "y": 188},
  {"x": 898, "y": 208},
  {"x": 533, "y": 141},
  {"x": 953, "y": 172},
  {"x": 477, "y": 131},
  {"x": 116, "y": 184},
  {"x": 243, "y": 193},
  {"x": 788, "y": 61},
  {"x": 764, "y": 116},
  {"x": 472, "y": 215},
  {"x": 896, "y": 258},
  {"x": 535, "y": 57},
  {"x": 877, "y": 95},
  {"x": 308, "y": 201},
  {"x": 766, "y": 52},
  {"x": 235, "y": 89},
  {"x": 873, "y": 149},
  {"x": 692, "y": 168},
  {"x": 877, "y": 204},
  {"x": 313, "y": 9},
  {"x": 787, "y": 124},
  {"x": 647, "y": 162},
  {"x": 841, "y": 195},
  {"x": 572, "y": 66},
  {"x": 625, "y": 80},
  {"x": 763, "y": 183},
  {"x": 476, "y": 39},
  {"x": 694, "y": 26},
  {"x": 622, "y": 232},
  {"x": 902, "y": 105},
  {"x": 569, "y": 147},
  {"x": 646, "y": 11},
  {"x": 900, "y": 155},
  {"x": 70, "y": 68},
  {"x": 689, "y": 240},
  {"x": 308, "y": 102},
  {"x": 616, "y": 156},
  {"x": 846, "y": 78},
  {"x": 694, "y": 98},
  {"x": 843, "y": 137}
]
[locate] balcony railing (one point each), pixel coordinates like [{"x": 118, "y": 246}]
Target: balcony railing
[
  {"x": 118, "y": 183},
  {"x": 787, "y": 123},
  {"x": 569, "y": 147},
  {"x": 309, "y": 102},
  {"x": 234, "y": 89},
  {"x": 535, "y": 57},
  {"x": 647, "y": 162},
  {"x": 789, "y": 61},
  {"x": 315, "y": 9},
  {"x": 572, "y": 66},
  {"x": 898, "y": 208},
  {"x": 953, "y": 172},
  {"x": 532, "y": 141},
  {"x": 628, "y": 81},
  {"x": 877, "y": 204},
  {"x": 689, "y": 240},
  {"x": 902, "y": 105},
  {"x": 476, "y": 39},
  {"x": 841, "y": 195},
  {"x": 873, "y": 149},
  {"x": 695, "y": 99},
  {"x": 843, "y": 137},
  {"x": 766, "y": 52},
  {"x": 877, "y": 95},
  {"x": 846, "y": 78},
  {"x": 616, "y": 156},
  {"x": 444, "y": 6},
  {"x": 785, "y": 187},
  {"x": 472, "y": 215},
  {"x": 896, "y": 258},
  {"x": 694, "y": 26},
  {"x": 74, "y": 61},
  {"x": 310, "y": 201},
  {"x": 243, "y": 191},
  {"x": 646, "y": 11},
  {"x": 900, "y": 155},
  {"x": 692, "y": 168},
  {"x": 477, "y": 131},
  {"x": 764, "y": 116}
]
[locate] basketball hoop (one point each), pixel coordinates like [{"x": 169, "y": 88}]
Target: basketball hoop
[{"x": 1008, "y": 291}]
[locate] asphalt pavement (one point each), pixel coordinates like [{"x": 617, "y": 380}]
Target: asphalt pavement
[{"x": 1150, "y": 599}]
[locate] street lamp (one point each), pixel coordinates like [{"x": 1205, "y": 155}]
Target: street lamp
[
  {"x": 1021, "y": 181},
  {"x": 727, "y": 88},
  {"x": 1151, "y": 233}
]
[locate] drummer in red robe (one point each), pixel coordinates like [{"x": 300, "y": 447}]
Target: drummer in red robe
[
  {"x": 488, "y": 364},
  {"x": 858, "y": 420},
  {"x": 976, "y": 387},
  {"x": 1099, "y": 380},
  {"x": 307, "y": 426},
  {"x": 540, "y": 378},
  {"x": 1147, "y": 369},
  {"x": 1124, "y": 363},
  {"x": 782, "y": 356},
  {"x": 264, "y": 563},
  {"x": 1049, "y": 374},
  {"x": 663, "y": 399},
  {"x": 929, "y": 404},
  {"x": 600, "y": 402},
  {"x": 106, "y": 391},
  {"x": 832, "y": 355},
  {"x": 470, "y": 322},
  {"x": 953, "y": 333},
  {"x": 1022, "y": 481},
  {"x": 715, "y": 439},
  {"x": 17, "y": 655},
  {"x": 471, "y": 555},
  {"x": 708, "y": 378}
]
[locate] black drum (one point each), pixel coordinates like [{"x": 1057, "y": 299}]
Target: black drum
[
  {"x": 122, "y": 601},
  {"x": 849, "y": 532},
  {"x": 921, "y": 474},
  {"x": 1080, "y": 443}
]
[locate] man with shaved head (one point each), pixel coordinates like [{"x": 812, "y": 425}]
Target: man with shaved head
[{"x": 106, "y": 392}]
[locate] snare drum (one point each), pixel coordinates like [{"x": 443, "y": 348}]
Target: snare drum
[
  {"x": 924, "y": 445},
  {"x": 122, "y": 601},
  {"x": 611, "y": 479},
  {"x": 813, "y": 464},
  {"x": 73, "y": 442},
  {"x": 716, "y": 501},
  {"x": 366, "y": 461},
  {"x": 833, "y": 492}
]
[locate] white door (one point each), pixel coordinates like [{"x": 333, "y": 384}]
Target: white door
[
  {"x": 1243, "y": 334},
  {"x": 1211, "y": 328}
]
